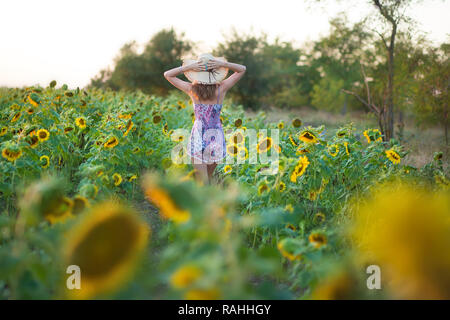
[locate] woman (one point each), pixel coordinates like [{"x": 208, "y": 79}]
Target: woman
[{"x": 206, "y": 145}]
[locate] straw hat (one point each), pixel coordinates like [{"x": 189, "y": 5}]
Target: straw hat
[{"x": 205, "y": 77}]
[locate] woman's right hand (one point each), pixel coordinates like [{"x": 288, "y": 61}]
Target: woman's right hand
[
  {"x": 215, "y": 64},
  {"x": 197, "y": 66}
]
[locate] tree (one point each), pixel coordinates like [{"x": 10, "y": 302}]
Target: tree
[
  {"x": 337, "y": 57},
  {"x": 286, "y": 85},
  {"x": 391, "y": 14},
  {"x": 144, "y": 71},
  {"x": 247, "y": 49},
  {"x": 431, "y": 103}
]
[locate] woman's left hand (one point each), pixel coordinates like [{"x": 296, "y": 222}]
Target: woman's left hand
[{"x": 214, "y": 64}]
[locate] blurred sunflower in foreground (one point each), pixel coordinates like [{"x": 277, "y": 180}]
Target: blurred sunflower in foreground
[
  {"x": 162, "y": 199},
  {"x": 406, "y": 231},
  {"x": 106, "y": 245}
]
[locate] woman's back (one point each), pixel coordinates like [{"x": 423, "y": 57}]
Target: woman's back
[{"x": 218, "y": 100}]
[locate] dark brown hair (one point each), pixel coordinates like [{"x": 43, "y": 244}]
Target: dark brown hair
[{"x": 204, "y": 92}]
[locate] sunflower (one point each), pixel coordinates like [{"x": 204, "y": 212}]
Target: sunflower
[
  {"x": 285, "y": 246},
  {"x": 299, "y": 168},
  {"x": 59, "y": 210},
  {"x": 11, "y": 155},
  {"x": 292, "y": 141},
  {"x": 177, "y": 136},
  {"x": 312, "y": 195},
  {"x": 301, "y": 150},
  {"x": 106, "y": 244},
  {"x": 232, "y": 149},
  {"x": 238, "y": 122},
  {"x": 30, "y": 100},
  {"x": 373, "y": 135},
  {"x": 168, "y": 208},
  {"x": 130, "y": 125},
  {"x": 242, "y": 153},
  {"x": 317, "y": 239},
  {"x": 125, "y": 116},
  {"x": 111, "y": 143},
  {"x": 263, "y": 187},
  {"x": 333, "y": 150},
  {"x": 341, "y": 133},
  {"x": 393, "y": 156},
  {"x": 3, "y": 131},
  {"x": 181, "y": 104},
  {"x": 165, "y": 129},
  {"x": 133, "y": 177},
  {"x": 307, "y": 136},
  {"x": 405, "y": 228},
  {"x": 68, "y": 129},
  {"x": 296, "y": 123},
  {"x": 30, "y": 110},
  {"x": 43, "y": 135},
  {"x": 80, "y": 122},
  {"x": 45, "y": 161},
  {"x": 16, "y": 117},
  {"x": 280, "y": 125},
  {"x": 185, "y": 276},
  {"x": 291, "y": 226},
  {"x": 281, "y": 186},
  {"x": 163, "y": 201},
  {"x": 319, "y": 218},
  {"x": 80, "y": 203},
  {"x": 237, "y": 138},
  {"x": 180, "y": 156},
  {"x": 347, "y": 148},
  {"x": 227, "y": 169},
  {"x": 33, "y": 141},
  {"x": 117, "y": 179},
  {"x": 136, "y": 150},
  {"x": 264, "y": 145},
  {"x": 149, "y": 152},
  {"x": 289, "y": 208}
]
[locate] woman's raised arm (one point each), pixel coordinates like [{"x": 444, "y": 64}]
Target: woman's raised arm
[
  {"x": 171, "y": 75},
  {"x": 229, "y": 82}
]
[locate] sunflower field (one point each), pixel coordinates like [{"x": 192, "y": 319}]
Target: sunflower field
[{"x": 88, "y": 178}]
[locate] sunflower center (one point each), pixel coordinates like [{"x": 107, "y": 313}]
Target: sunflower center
[{"x": 105, "y": 247}]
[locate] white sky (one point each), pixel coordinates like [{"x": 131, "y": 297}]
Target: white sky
[{"x": 70, "y": 41}]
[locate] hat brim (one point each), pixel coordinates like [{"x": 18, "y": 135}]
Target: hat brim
[{"x": 206, "y": 77}]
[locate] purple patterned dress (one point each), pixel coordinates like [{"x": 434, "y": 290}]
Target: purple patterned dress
[{"x": 207, "y": 141}]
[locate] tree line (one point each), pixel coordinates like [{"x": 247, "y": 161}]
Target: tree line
[{"x": 350, "y": 68}]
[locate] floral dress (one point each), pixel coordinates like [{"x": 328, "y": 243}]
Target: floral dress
[{"x": 207, "y": 140}]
